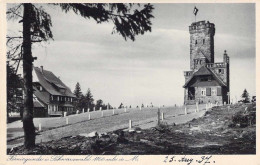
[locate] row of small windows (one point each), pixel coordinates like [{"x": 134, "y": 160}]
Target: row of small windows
[
  {"x": 199, "y": 61},
  {"x": 61, "y": 98},
  {"x": 203, "y": 42},
  {"x": 55, "y": 108}
]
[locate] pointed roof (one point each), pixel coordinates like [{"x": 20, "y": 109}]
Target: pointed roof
[
  {"x": 51, "y": 83},
  {"x": 37, "y": 104},
  {"x": 204, "y": 71},
  {"x": 42, "y": 96}
]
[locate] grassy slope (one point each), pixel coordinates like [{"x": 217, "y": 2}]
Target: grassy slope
[{"x": 215, "y": 133}]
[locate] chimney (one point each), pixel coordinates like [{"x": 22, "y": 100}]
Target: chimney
[
  {"x": 42, "y": 69},
  {"x": 225, "y": 57}
]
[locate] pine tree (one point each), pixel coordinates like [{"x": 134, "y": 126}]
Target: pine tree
[
  {"x": 89, "y": 100},
  {"x": 99, "y": 104},
  {"x": 245, "y": 96},
  {"x": 36, "y": 22},
  {"x": 121, "y": 106},
  {"x": 77, "y": 91}
]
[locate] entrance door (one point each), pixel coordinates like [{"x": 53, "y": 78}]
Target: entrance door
[{"x": 191, "y": 93}]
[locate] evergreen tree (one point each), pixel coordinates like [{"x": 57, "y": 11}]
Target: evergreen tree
[
  {"x": 109, "y": 106},
  {"x": 77, "y": 91},
  {"x": 79, "y": 97},
  {"x": 99, "y": 104},
  {"x": 14, "y": 91},
  {"x": 89, "y": 100},
  {"x": 245, "y": 96},
  {"x": 36, "y": 22},
  {"x": 121, "y": 106}
]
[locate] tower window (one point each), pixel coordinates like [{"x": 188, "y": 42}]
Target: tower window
[{"x": 221, "y": 71}]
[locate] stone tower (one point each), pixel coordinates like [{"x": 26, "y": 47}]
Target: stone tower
[
  {"x": 201, "y": 44},
  {"x": 207, "y": 80}
]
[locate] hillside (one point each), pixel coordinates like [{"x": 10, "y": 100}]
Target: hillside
[{"x": 221, "y": 130}]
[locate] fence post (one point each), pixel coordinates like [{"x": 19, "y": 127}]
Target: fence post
[
  {"x": 40, "y": 126},
  {"x": 125, "y": 109},
  {"x": 102, "y": 113},
  {"x": 88, "y": 109},
  {"x": 130, "y": 124},
  {"x": 100, "y": 108},
  {"x": 197, "y": 107},
  {"x": 185, "y": 110},
  {"x": 113, "y": 111},
  {"x": 162, "y": 116},
  {"x": 67, "y": 120},
  {"x": 89, "y": 117},
  {"x": 94, "y": 109},
  {"x": 83, "y": 110}
]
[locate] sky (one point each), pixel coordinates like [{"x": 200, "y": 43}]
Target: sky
[{"x": 151, "y": 68}]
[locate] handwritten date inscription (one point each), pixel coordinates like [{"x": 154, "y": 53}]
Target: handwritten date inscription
[{"x": 203, "y": 160}]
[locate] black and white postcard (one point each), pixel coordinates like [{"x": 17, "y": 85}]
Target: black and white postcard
[{"x": 135, "y": 83}]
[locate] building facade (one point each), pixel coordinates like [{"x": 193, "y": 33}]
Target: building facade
[
  {"x": 51, "y": 94},
  {"x": 206, "y": 81}
]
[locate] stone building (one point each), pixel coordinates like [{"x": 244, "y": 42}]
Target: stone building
[{"x": 206, "y": 81}]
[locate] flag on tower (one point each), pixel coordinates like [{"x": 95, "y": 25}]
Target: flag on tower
[{"x": 195, "y": 11}]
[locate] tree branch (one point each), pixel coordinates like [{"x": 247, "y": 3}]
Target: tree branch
[{"x": 12, "y": 38}]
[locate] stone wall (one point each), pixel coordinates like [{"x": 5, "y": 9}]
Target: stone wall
[{"x": 206, "y": 99}]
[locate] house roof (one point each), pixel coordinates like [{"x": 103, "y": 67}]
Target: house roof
[
  {"x": 204, "y": 71},
  {"x": 52, "y": 84},
  {"x": 37, "y": 104},
  {"x": 42, "y": 96},
  {"x": 205, "y": 83}
]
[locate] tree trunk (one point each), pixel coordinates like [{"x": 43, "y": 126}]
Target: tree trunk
[{"x": 28, "y": 126}]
